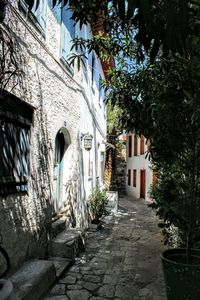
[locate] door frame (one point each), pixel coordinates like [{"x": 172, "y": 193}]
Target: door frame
[
  {"x": 61, "y": 146},
  {"x": 143, "y": 183}
]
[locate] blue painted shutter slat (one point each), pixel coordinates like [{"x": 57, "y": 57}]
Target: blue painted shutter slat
[
  {"x": 64, "y": 32},
  {"x": 57, "y": 12},
  {"x": 40, "y": 13},
  {"x": 68, "y": 32},
  {"x": 42, "y": 20}
]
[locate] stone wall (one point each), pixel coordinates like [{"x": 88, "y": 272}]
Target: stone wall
[{"x": 55, "y": 93}]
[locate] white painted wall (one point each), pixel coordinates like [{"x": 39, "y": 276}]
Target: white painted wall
[
  {"x": 138, "y": 163},
  {"x": 63, "y": 100},
  {"x": 93, "y": 117}
]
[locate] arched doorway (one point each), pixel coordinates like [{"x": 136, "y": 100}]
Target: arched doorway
[{"x": 62, "y": 142}]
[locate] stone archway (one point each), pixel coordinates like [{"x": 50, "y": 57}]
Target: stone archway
[{"x": 62, "y": 142}]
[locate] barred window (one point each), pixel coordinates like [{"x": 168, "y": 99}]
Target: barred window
[{"x": 15, "y": 124}]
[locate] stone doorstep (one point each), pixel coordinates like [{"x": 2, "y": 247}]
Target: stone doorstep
[
  {"x": 67, "y": 244},
  {"x": 33, "y": 279},
  {"x": 57, "y": 227},
  {"x": 61, "y": 265}
]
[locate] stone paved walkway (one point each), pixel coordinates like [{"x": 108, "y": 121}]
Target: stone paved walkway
[{"x": 121, "y": 261}]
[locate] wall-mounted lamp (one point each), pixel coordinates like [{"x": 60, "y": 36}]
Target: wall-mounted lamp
[{"x": 87, "y": 141}]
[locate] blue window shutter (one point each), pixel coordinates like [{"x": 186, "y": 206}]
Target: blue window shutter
[
  {"x": 40, "y": 13},
  {"x": 71, "y": 26},
  {"x": 63, "y": 41},
  {"x": 43, "y": 10},
  {"x": 57, "y": 12},
  {"x": 68, "y": 32}
]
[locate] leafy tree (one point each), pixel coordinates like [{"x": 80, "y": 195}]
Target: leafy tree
[
  {"x": 162, "y": 102},
  {"x": 163, "y": 24},
  {"x": 159, "y": 97}
]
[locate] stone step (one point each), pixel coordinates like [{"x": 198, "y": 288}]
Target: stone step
[
  {"x": 67, "y": 244},
  {"x": 33, "y": 279},
  {"x": 61, "y": 265},
  {"x": 57, "y": 227}
]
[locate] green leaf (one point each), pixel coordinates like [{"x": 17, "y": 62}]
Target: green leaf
[
  {"x": 131, "y": 9},
  {"x": 154, "y": 51}
]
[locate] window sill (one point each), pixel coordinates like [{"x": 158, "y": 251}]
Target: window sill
[
  {"x": 13, "y": 185},
  {"x": 67, "y": 66},
  {"x": 13, "y": 180}
]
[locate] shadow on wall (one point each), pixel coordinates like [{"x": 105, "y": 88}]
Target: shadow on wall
[
  {"x": 25, "y": 185},
  {"x": 75, "y": 205}
]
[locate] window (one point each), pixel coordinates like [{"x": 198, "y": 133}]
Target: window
[
  {"x": 135, "y": 145},
  {"x": 15, "y": 123},
  {"x": 85, "y": 67},
  {"x": 100, "y": 91},
  {"x": 38, "y": 16},
  {"x": 142, "y": 144},
  {"x": 129, "y": 145},
  {"x": 134, "y": 177},
  {"x": 129, "y": 177},
  {"x": 93, "y": 66},
  {"x": 67, "y": 32}
]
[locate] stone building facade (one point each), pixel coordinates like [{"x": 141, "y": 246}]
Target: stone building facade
[
  {"x": 47, "y": 111},
  {"x": 140, "y": 175}
]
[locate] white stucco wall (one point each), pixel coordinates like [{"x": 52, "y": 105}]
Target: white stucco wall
[
  {"x": 61, "y": 100},
  {"x": 138, "y": 163}
]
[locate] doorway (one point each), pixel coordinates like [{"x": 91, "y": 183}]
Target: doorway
[
  {"x": 142, "y": 183},
  {"x": 58, "y": 171}
]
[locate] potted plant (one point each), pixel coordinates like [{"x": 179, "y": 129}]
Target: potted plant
[
  {"x": 97, "y": 205},
  {"x": 175, "y": 153}
]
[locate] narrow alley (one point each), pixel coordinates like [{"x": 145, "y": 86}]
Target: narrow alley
[{"x": 121, "y": 261}]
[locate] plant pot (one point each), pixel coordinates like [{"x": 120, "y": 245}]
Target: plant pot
[
  {"x": 182, "y": 280},
  {"x": 6, "y": 290}
]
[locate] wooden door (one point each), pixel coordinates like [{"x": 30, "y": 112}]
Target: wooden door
[{"x": 142, "y": 183}]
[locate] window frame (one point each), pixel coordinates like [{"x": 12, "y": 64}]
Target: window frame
[
  {"x": 34, "y": 16},
  {"x": 66, "y": 37},
  {"x": 134, "y": 178},
  {"x": 129, "y": 177},
  {"x": 135, "y": 145},
  {"x": 142, "y": 145},
  {"x": 130, "y": 146},
  {"x": 15, "y": 126}
]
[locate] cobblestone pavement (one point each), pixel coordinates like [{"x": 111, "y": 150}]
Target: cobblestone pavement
[{"x": 121, "y": 261}]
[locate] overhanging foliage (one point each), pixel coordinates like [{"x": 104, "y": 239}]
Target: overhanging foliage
[{"x": 159, "y": 24}]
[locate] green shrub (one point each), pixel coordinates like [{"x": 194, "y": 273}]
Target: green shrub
[{"x": 97, "y": 204}]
